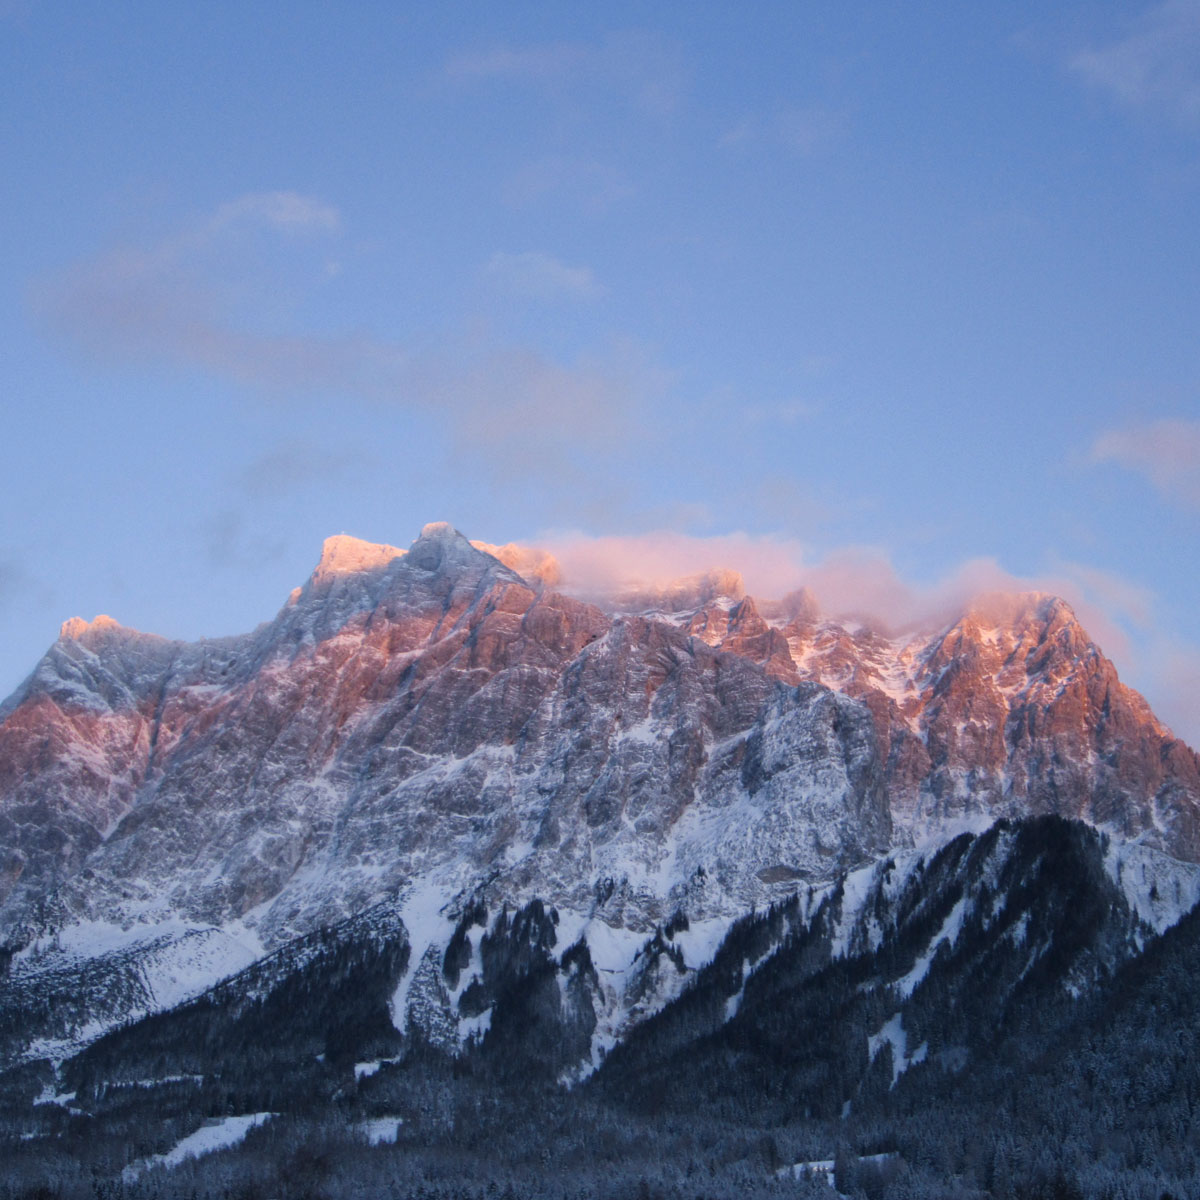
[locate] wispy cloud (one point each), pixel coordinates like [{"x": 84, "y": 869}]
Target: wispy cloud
[
  {"x": 1129, "y": 602},
  {"x": 548, "y": 62},
  {"x": 802, "y": 129},
  {"x": 538, "y": 276},
  {"x": 525, "y": 416},
  {"x": 294, "y": 465},
  {"x": 244, "y": 531},
  {"x": 1166, "y": 452},
  {"x": 285, "y": 211},
  {"x": 809, "y": 128},
  {"x": 1155, "y": 66},
  {"x": 1175, "y": 670},
  {"x": 786, "y": 412},
  {"x": 20, "y": 586},
  {"x": 230, "y": 542},
  {"x": 641, "y": 68},
  {"x": 606, "y": 564},
  {"x": 853, "y": 581},
  {"x": 179, "y": 302},
  {"x": 12, "y": 580},
  {"x": 595, "y": 186}
]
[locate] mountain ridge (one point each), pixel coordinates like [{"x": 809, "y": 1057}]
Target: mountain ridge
[{"x": 428, "y": 725}]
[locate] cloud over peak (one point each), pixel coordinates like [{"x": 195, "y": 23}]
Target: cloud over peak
[{"x": 853, "y": 582}]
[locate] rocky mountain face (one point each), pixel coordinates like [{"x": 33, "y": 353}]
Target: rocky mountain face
[
  {"x": 433, "y": 732},
  {"x": 431, "y": 715},
  {"x": 1010, "y": 710}
]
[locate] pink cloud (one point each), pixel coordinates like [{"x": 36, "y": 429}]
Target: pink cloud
[
  {"x": 859, "y": 582},
  {"x": 603, "y": 565},
  {"x": 863, "y": 583}
]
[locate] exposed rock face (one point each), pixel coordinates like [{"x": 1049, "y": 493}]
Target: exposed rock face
[
  {"x": 1010, "y": 711},
  {"x": 432, "y": 731},
  {"x": 418, "y": 715}
]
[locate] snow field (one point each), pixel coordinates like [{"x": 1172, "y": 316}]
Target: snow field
[{"x": 214, "y": 1135}]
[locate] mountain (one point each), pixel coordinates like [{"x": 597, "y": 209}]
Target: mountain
[
  {"x": 1009, "y": 710},
  {"x": 441, "y": 830},
  {"x": 937, "y": 958},
  {"x": 430, "y": 729},
  {"x": 919, "y": 1024}
]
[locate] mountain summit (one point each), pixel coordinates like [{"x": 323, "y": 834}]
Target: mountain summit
[{"x": 430, "y": 729}]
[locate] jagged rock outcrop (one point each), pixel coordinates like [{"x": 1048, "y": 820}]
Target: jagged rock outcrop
[
  {"x": 414, "y": 714},
  {"x": 432, "y": 731},
  {"x": 1010, "y": 710}
]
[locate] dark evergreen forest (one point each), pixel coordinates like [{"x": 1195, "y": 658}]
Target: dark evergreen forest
[{"x": 1055, "y": 1063}]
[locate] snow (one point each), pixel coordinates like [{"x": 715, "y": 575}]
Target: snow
[
  {"x": 824, "y": 1167},
  {"x": 951, "y": 927},
  {"x": 193, "y": 964},
  {"x": 427, "y": 925},
  {"x": 214, "y": 1135},
  {"x": 163, "y": 1079},
  {"x": 614, "y": 952},
  {"x": 477, "y": 1026},
  {"x": 380, "y": 1130},
  {"x": 734, "y": 1002},
  {"x": 344, "y": 555},
  {"x": 1019, "y": 930},
  {"x": 893, "y": 1033},
  {"x": 613, "y": 949},
  {"x": 701, "y": 941},
  {"x": 856, "y": 889},
  {"x": 646, "y": 732},
  {"x": 177, "y": 960},
  {"x": 86, "y": 939},
  {"x": 1160, "y": 889},
  {"x": 937, "y": 832},
  {"x": 474, "y": 1027}
]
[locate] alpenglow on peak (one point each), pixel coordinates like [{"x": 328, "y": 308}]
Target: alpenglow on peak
[{"x": 343, "y": 555}]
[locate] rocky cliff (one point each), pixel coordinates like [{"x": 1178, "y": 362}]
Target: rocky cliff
[{"x": 432, "y": 731}]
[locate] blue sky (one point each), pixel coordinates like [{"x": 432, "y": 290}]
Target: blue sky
[{"x": 899, "y": 300}]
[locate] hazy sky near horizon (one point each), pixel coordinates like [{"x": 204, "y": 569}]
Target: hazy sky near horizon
[{"x": 898, "y": 300}]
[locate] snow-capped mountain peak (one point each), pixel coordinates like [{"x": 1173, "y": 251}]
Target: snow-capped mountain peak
[
  {"x": 342, "y": 555},
  {"x": 430, "y": 729}
]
